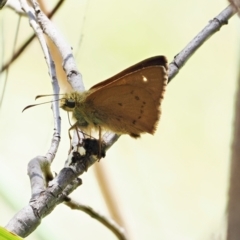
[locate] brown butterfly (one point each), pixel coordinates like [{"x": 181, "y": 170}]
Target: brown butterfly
[{"x": 127, "y": 103}]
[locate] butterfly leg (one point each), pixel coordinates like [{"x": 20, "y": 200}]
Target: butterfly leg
[
  {"x": 100, "y": 143},
  {"x": 74, "y": 126}
]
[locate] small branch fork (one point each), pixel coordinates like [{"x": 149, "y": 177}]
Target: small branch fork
[{"x": 48, "y": 192}]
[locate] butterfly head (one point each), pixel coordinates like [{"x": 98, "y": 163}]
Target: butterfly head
[
  {"x": 67, "y": 104},
  {"x": 71, "y": 101}
]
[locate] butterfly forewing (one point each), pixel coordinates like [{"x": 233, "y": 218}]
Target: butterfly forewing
[
  {"x": 130, "y": 104},
  {"x": 149, "y": 62}
]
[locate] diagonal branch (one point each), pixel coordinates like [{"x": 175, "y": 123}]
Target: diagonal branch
[
  {"x": 109, "y": 223},
  {"x": 214, "y": 25}
]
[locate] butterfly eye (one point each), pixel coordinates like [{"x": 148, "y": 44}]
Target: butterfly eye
[{"x": 70, "y": 103}]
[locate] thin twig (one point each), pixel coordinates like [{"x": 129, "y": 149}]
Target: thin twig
[
  {"x": 29, "y": 218},
  {"x": 2, "y": 3},
  {"x": 69, "y": 64},
  {"x": 109, "y": 223},
  {"x": 82, "y": 30},
  {"x": 35, "y": 167},
  {"x": 213, "y": 26},
  {"x": 13, "y": 51},
  {"x": 29, "y": 40}
]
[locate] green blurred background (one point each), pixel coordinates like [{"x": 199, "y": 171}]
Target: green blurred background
[{"x": 170, "y": 186}]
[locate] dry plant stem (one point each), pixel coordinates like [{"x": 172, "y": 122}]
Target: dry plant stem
[
  {"x": 37, "y": 166},
  {"x": 109, "y": 223},
  {"x": 26, "y": 44},
  {"x": 110, "y": 138},
  {"x": 69, "y": 65},
  {"x": 236, "y": 3},
  {"x": 28, "y": 219},
  {"x": 2, "y": 3},
  {"x": 233, "y": 208},
  {"x": 15, "y": 6},
  {"x": 213, "y": 26},
  {"x": 13, "y": 51}
]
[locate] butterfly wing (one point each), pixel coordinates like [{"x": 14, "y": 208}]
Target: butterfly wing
[
  {"x": 149, "y": 62},
  {"x": 130, "y": 104}
]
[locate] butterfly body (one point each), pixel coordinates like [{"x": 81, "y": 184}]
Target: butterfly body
[{"x": 127, "y": 103}]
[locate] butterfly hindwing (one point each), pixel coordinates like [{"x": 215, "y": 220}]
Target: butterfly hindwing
[{"x": 131, "y": 103}]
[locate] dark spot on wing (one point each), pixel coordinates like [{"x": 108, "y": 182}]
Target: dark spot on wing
[
  {"x": 134, "y": 135},
  {"x": 120, "y": 104},
  {"x": 119, "y": 118},
  {"x": 137, "y": 97},
  {"x": 134, "y": 122}
]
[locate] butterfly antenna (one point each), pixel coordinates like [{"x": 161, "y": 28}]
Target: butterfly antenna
[
  {"x": 47, "y": 95},
  {"x": 33, "y": 105}
]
